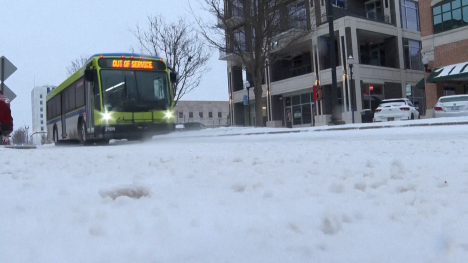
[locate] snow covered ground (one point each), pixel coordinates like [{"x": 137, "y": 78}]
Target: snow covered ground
[
  {"x": 384, "y": 195},
  {"x": 224, "y": 131}
]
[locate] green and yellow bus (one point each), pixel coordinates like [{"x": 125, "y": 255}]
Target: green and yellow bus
[{"x": 113, "y": 96}]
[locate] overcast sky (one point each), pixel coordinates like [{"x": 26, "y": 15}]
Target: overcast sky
[{"x": 41, "y": 38}]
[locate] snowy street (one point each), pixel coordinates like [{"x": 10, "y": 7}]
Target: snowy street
[{"x": 383, "y": 195}]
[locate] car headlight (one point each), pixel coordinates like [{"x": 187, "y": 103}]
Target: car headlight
[{"x": 168, "y": 115}]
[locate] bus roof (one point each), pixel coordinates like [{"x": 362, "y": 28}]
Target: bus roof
[{"x": 123, "y": 54}]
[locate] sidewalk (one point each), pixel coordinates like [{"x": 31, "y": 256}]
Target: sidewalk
[{"x": 238, "y": 131}]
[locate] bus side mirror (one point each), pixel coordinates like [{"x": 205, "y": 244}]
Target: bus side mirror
[
  {"x": 89, "y": 75},
  {"x": 174, "y": 77}
]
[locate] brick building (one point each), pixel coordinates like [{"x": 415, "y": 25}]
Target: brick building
[{"x": 444, "y": 31}]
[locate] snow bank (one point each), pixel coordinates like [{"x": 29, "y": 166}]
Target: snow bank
[
  {"x": 387, "y": 195},
  {"x": 225, "y": 131}
]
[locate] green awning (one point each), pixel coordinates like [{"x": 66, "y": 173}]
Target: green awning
[
  {"x": 455, "y": 72},
  {"x": 421, "y": 84}
]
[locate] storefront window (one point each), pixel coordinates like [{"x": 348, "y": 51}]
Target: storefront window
[
  {"x": 301, "y": 110},
  {"x": 372, "y": 95},
  {"x": 409, "y": 15},
  {"x": 450, "y": 14}
]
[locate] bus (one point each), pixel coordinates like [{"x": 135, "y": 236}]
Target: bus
[{"x": 113, "y": 96}]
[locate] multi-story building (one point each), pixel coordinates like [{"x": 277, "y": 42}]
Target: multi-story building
[
  {"x": 384, "y": 38},
  {"x": 444, "y": 31},
  {"x": 38, "y": 106},
  {"x": 209, "y": 113}
]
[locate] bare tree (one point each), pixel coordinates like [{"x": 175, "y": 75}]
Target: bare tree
[
  {"x": 254, "y": 31},
  {"x": 19, "y": 136},
  {"x": 180, "y": 44},
  {"x": 77, "y": 64}
]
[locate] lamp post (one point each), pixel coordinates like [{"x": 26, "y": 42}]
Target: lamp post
[
  {"x": 350, "y": 63},
  {"x": 247, "y": 87}
]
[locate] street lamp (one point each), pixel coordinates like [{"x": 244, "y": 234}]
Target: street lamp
[
  {"x": 350, "y": 63},
  {"x": 247, "y": 86},
  {"x": 425, "y": 61}
]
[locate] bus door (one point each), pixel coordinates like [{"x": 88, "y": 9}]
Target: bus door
[
  {"x": 64, "y": 97},
  {"x": 89, "y": 107}
]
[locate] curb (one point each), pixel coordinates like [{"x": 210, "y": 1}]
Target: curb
[
  {"x": 334, "y": 129},
  {"x": 23, "y": 147}
]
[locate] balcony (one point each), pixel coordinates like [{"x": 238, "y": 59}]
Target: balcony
[
  {"x": 229, "y": 55},
  {"x": 358, "y": 13},
  {"x": 377, "y": 49},
  {"x": 233, "y": 18}
]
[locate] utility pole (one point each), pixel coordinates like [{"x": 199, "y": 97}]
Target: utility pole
[{"x": 336, "y": 117}]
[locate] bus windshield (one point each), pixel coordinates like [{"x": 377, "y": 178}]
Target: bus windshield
[{"x": 127, "y": 90}]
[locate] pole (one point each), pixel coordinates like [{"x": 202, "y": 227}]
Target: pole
[
  {"x": 2, "y": 87},
  {"x": 352, "y": 91},
  {"x": 336, "y": 115},
  {"x": 248, "y": 103}
]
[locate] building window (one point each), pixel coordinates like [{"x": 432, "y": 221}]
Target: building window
[
  {"x": 40, "y": 102},
  {"x": 297, "y": 15},
  {"x": 40, "y": 96},
  {"x": 220, "y": 114},
  {"x": 210, "y": 114},
  {"x": 42, "y": 115},
  {"x": 409, "y": 15},
  {"x": 42, "y": 122},
  {"x": 190, "y": 114},
  {"x": 41, "y": 109},
  {"x": 42, "y": 128},
  {"x": 449, "y": 15},
  {"x": 337, "y": 3},
  {"x": 181, "y": 115},
  {"x": 200, "y": 114},
  {"x": 301, "y": 109},
  {"x": 412, "y": 54}
]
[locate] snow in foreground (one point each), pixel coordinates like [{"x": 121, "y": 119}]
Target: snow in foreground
[{"x": 390, "y": 195}]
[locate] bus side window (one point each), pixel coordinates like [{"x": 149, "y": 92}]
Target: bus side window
[{"x": 97, "y": 96}]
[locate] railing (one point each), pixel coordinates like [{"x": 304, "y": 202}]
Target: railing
[
  {"x": 357, "y": 12},
  {"x": 291, "y": 72}
]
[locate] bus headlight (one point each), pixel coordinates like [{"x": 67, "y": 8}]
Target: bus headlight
[
  {"x": 168, "y": 115},
  {"x": 106, "y": 116}
]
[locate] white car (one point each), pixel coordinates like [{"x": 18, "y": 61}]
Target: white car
[
  {"x": 451, "y": 106},
  {"x": 395, "y": 109}
]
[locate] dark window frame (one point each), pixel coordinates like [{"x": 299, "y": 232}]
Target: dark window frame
[{"x": 448, "y": 13}]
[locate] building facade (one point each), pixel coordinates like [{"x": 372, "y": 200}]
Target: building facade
[
  {"x": 384, "y": 38},
  {"x": 209, "y": 113},
  {"x": 38, "y": 106},
  {"x": 444, "y": 31}
]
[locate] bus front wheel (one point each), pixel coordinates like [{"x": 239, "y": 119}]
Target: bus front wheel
[{"x": 83, "y": 134}]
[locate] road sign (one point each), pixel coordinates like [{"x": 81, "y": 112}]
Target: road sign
[
  {"x": 6, "y": 68},
  {"x": 8, "y": 93}
]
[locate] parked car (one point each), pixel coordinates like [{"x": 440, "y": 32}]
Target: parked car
[
  {"x": 451, "y": 106},
  {"x": 395, "y": 109}
]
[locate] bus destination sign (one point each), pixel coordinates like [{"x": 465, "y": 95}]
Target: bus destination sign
[
  {"x": 132, "y": 64},
  {"x": 123, "y": 63}
]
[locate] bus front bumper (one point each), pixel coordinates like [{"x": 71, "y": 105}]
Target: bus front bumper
[{"x": 134, "y": 131}]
